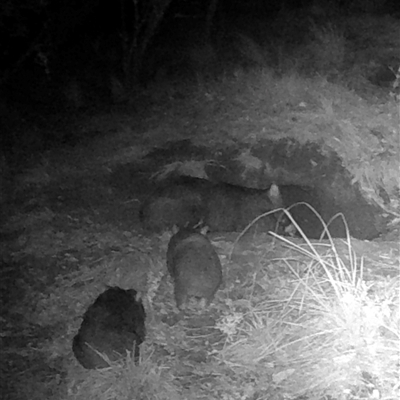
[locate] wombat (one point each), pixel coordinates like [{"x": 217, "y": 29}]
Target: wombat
[
  {"x": 111, "y": 325},
  {"x": 194, "y": 266},
  {"x": 175, "y": 203},
  {"x": 231, "y": 208}
]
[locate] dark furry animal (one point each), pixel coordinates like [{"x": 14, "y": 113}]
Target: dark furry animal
[
  {"x": 175, "y": 203},
  {"x": 190, "y": 202},
  {"x": 231, "y": 208},
  {"x": 194, "y": 266},
  {"x": 113, "y": 324}
]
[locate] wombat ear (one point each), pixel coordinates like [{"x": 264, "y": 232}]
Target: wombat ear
[
  {"x": 204, "y": 230},
  {"x": 200, "y": 226},
  {"x": 138, "y": 296},
  {"x": 274, "y": 195}
]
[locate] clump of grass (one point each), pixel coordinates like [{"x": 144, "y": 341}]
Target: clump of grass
[
  {"x": 326, "y": 330},
  {"x": 124, "y": 380}
]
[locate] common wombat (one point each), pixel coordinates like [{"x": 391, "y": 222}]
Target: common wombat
[
  {"x": 175, "y": 203},
  {"x": 194, "y": 266},
  {"x": 231, "y": 208},
  {"x": 111, "y": 325}
]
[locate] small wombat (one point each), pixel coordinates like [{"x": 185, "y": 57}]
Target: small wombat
[
  {"x": 111, "y": 325},
  {"x": 194, "y": 266}
]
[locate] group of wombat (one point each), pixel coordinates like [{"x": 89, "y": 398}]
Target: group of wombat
[
  {"x": 115, "y": 322},
  {"x": 219, "y": 206}
]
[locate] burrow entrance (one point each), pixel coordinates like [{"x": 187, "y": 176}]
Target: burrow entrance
[{"x": 228, "y": 187}]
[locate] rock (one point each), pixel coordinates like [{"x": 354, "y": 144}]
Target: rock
[
  {"x": 112, "y": 325},
  {"x": 194, "y": 266}
]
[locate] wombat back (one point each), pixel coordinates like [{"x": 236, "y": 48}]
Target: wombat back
[
  {"x": 111, "y": 325},
  {"x": 194, "y": 266}
]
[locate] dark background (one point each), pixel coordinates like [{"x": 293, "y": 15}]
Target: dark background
[{"x": 50, "y": 48}]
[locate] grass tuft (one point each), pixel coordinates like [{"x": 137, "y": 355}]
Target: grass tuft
[{"x": 321, "y": 333}]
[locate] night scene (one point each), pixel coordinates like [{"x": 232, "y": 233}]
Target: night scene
[{"x": 200, "y": 199}]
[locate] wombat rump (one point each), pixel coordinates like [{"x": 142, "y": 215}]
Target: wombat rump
[
  {"x": 111, "y": 325},
  {"x": 194, "y": 266}
]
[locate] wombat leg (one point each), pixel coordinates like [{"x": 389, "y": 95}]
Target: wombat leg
[
  {"x": 136, "y": 353},
  {"x": 180, "y": 297},
  {"x": 203, "y": 303}
]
